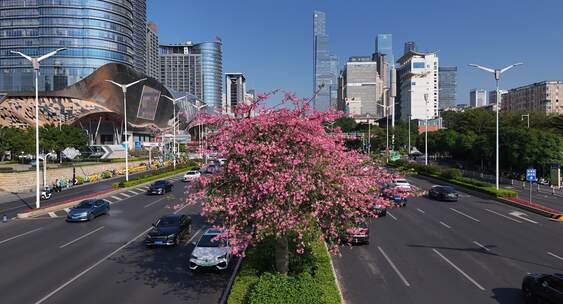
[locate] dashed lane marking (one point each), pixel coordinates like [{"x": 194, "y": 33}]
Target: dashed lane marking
[
  {"x": 391, "y": 215},
  {"x": 81, "y": 237},
  {"x": 19, "y": 235},
  {"x": 459, "y": 270},
  {"x": 467, "y": 216},
  {"x": 555, "y": 256},
  {"x": 445, "y": 225},
  {"x": 420, "y": 210},
  {"x": 394, "y": 267},
  {"x": 480, "y": 245}
]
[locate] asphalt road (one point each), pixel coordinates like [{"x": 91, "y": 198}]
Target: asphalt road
[
  {"x": 471, "y": 251},
  {"x": 23, "y": 202},
  {"x": 46, "y": 260},
  {"x": 543, "y": 197}
]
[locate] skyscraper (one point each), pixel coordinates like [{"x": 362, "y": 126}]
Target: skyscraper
[
  {"x": 95, "y": 33},
  {"x": 325, "y": 66},
  {"x": 152, "y": 65},
  {"x": 493, "y": 95},
  {"x": 362, "y": 87},
  {"x": 410, "y": 46},
  {"x": 139, "y": 35},
  {"x": 447, "y": 86},
  {"x": 477, "y": 98},
  {"x": 235, "y": 90},
  {"x": 195, "y": 69},
  {"x": 384, "y": 55}
]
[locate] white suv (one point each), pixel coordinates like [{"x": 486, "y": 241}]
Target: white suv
[
  {"x": 401, "y": 183},
  {"x": 210, "y": 253},
  {"x": 191, "y": 176}
]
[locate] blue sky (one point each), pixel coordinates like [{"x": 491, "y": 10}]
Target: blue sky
[{"x": 271, "y": 41}]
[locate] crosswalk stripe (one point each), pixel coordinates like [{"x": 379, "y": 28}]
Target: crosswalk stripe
[
  {"x": 139, "y": 189},
  {"x": 52, "y": 214},
  {"x": 116, "y": 198},
  {"x": 67, "y": 210},
  {"x": 134, "y": 193},
  {"x": 125, "y": 194}
]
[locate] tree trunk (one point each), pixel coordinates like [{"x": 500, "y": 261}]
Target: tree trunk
[{"x": 281, "y": 254}]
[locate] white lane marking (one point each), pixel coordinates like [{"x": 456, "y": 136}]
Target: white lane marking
[
  {"x": 116, "y": 198},
  {"x": 555, "y": 256},
  {"x": 139, "y": 189},
  {"x": 158, "y": 200},
  {"x": 459, "y": 270},
  {"x": 480, "y": 245},
  {"x": 445, "y": 225},
  {"x": 45, "y": 298},
  {"x": 394, "y": 267},
  {"x": 133, "y": 192},
  {"x": 17, "y": 236},
  {"x": 125, "y": 194},
  {"x": 420, "y": 210},
  {"x": 145, "y": 187},
  {"x": 468, "y": 216},
  {"x": 391, "y": 215},
  {"x": 500, "y": 214},
  {"x": 81, "y": 237},
  {"x": 52, "y": 214},
  {"x": 67, "y": 210},
  {"x": 193, "y": 236},
  {"x": 522, "y": 216}
]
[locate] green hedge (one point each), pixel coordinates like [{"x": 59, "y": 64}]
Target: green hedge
[
  {"x": 6, "y": 169},
  {"x": 143, "y": 178},
  {"x": 310, "y": 280}
]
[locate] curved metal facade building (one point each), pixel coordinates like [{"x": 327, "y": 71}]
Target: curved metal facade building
[
  {"x": 212, "y": 72},
  {"x": 95, "y": 33}
]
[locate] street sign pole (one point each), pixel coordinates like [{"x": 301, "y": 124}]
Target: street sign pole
[
  {"x": 531, "y": 177},
  {"x": 531, "y": 191}
]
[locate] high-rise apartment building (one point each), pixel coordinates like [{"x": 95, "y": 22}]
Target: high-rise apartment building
[
  {"x": 477, "y": 98},
  {"x": 325, "y": 66},
  {"x": 447, "y": 85},
  {"x": 545, "y": 97},
  {"x": 152, "y": 65},
  {"x": 493, "y": 95},
  {"x": 195, "y": 69},
  {"x": 139, "y": 35},
  {"x": 418, "y": 90},
  {"x": 362, "y": 88},
  {"x": 235, "y": 90},
  {"x": 409, "y": 46},
  {"x": 94, "y": 33}
]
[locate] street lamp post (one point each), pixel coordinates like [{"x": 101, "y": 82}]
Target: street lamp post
[
  {"x": 174, "y": 125},
  {"x": 426, "y": 131},
  {"x": 35, "y": 62},
  {"x": 198, "y": 107},
  {"x": 527, "y": 116},
  {"x": 409, "y": 147},
  {"x": 386, "y": 114},
  {"x": 497, "y": 73},
  {"x": 124, "y": 90}
]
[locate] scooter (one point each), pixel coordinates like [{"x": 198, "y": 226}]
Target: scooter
[{"x": 46, "y": 193}]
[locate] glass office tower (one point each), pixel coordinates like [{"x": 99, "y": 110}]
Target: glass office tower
[
  {"x": 447, "y": 83},
  {"x": 325, "y": 66},
  {"x": 212, "y": 72},
  {"x": 95, "y": 33}
]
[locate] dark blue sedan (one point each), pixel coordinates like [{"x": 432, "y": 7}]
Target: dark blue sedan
[{"x": 87, "y": 210}]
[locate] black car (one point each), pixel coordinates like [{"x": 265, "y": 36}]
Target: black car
[
  {"x": 379, "y": 210},
  {"x": 444, "y": 193},
  {"x": 543, "y": 288},
  {"x": 359, "y": 234},
  {"x": 169, "y": 230},
  {"x": 160, "y": 187}
]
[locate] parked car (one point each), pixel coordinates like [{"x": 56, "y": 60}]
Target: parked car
[
  {"x": 379, "y": 210},
  {"x": 87, "y": 210},
  {"x": 401, "y": 183},
  {"x": 359, "y": 234},
  {"x": 209, "y": 252},
  {"x": 543, "y": 288},
  {"x": 160, "y": 187},
  {"x": 444, "y": 193},
  {"x": 191, "y": 176},
  {"x": 169, "y": 230}
]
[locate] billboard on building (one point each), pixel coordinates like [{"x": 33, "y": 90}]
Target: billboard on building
[{"x": 148, "y": 103}]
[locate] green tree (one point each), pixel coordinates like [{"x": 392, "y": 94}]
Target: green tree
[
  {"x": 347, "y": 124},
  {"x": 55, "y": 138}
]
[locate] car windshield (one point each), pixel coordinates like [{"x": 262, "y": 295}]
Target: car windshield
[
  {"x": 401, "y": 181},
  {"x": 192, "y": 173},
  {"x": 167, "y": 221},
  {"x": 86, "y": 204},
  {"x": 448, "y": 189},
  {"x": 207, "y": 241},
  {"x": 160, "y": 183}
]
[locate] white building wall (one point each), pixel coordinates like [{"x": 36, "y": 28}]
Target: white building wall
[{"x": 420, "y": 74}]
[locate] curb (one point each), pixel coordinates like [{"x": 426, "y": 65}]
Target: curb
[
  {"x": 227, "y": 290},
  {"x": 71, "y": 202},
  {"x": 552, "y": 214}
]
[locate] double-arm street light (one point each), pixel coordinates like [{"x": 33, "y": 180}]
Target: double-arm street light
[
  {"x": 35, "y": 62},
  {"x": 497, "y": 73},
  {"x": 426, "y": 131},
  {"x": 174, "y": 125},
  {"x": 198, "y": 106},
  {"x": 124, "y": 90}
]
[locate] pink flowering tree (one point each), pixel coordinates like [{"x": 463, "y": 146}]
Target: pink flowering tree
[{"x": 286, "y": 170}]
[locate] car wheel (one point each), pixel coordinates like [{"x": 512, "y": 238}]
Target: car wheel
[
  {"x": 176, "y": 240},
  {"x": 107, "y": 211},
  {"x": 529, "y": 297},
  {"x": 91, "y": 216}
]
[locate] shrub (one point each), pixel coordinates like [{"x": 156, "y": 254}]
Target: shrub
[
  {"x": 6, "y": 169},
  {"x": 281, "y": 289},
  {"x": 105, "y": 174},
  {"x": 79, "y": 180},
  {"x": 451, "y": 173}
]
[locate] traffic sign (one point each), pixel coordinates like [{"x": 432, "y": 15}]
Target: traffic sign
[{"x": 531, "y": 175}]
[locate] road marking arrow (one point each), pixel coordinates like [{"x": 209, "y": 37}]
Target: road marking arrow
[{"x": 522, "y": 216}]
